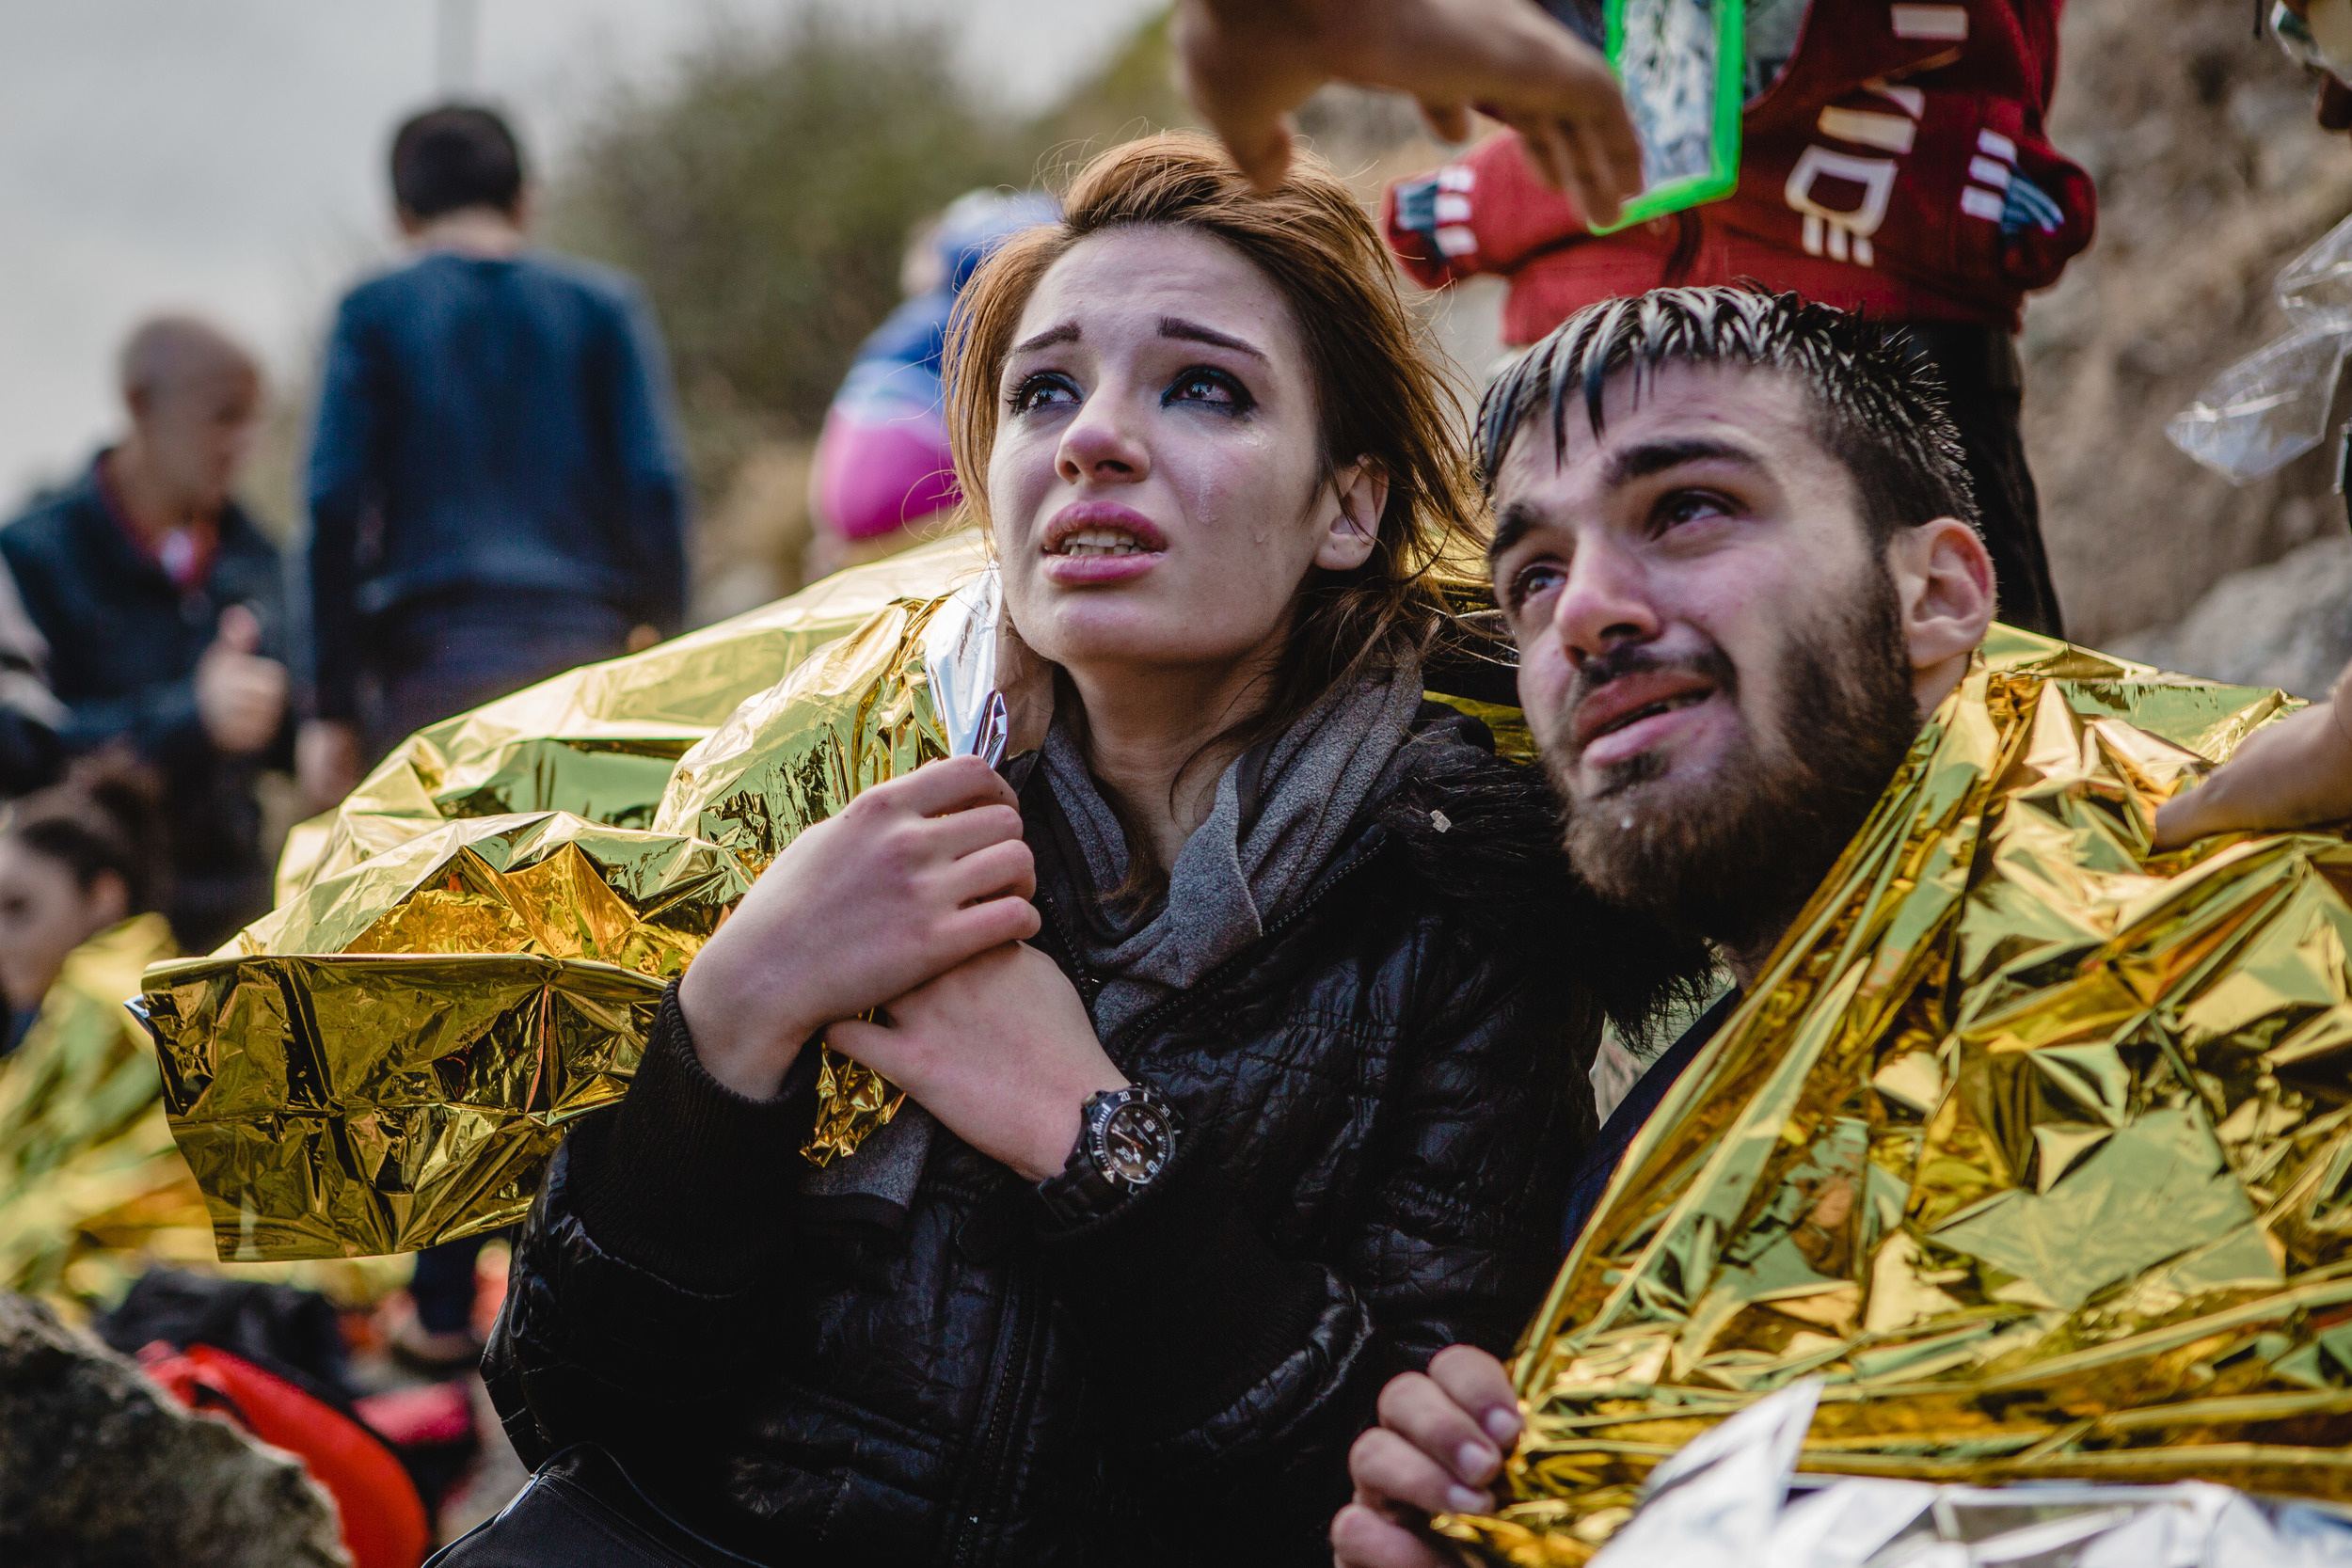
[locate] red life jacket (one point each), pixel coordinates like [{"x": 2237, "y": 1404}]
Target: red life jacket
[
  {"x": 1898, "y": 166},
  {"x": 383, "y": 1519}
]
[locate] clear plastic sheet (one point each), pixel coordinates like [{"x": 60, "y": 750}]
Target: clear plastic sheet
[
  {"x": 2271, "y": 406},
  {"x": 1731, "y": 1498},
  {"x": 1683, "y": 64}
]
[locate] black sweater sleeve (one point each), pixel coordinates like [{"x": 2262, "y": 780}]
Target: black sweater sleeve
[{"x": 642, "y": 1262}]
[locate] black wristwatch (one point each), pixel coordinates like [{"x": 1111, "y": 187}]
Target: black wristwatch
[{"x": 1126, "y": 1139}]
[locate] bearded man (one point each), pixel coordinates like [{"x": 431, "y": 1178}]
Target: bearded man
[{"x": 1736, "y": 544}]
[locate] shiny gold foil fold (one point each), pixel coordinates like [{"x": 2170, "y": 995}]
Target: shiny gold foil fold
[
  {"x": 81, "y": 1126},
  {"x": 469, "y": 955},
  {"x": 856, "y": 716},
  {"x": 601, "y": 741},
  {"x": 2035, "y": 1144}
]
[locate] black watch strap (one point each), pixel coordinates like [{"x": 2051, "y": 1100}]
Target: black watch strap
[{"x": 1126, "y": 1139}]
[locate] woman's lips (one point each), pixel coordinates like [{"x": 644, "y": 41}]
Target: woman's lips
[
  {"x": 1081, "y": 571},
  {"x": 1097, "y": 542}
]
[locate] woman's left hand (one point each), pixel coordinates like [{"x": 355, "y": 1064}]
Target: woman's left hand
[{"x": 999, "y": 1048}]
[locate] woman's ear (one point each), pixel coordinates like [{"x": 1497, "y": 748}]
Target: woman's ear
[{"x": 1356, "y": 498}]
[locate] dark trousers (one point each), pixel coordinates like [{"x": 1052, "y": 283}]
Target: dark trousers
[
  {"x": 450, "y": 654},
  {"x": 1981, "y": 377},
  {"x": 433, "y": 662}
]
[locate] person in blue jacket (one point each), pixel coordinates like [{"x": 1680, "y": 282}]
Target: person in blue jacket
[
  {"x": 497, "y": 489},
  {"x": 497, "y": 494}
]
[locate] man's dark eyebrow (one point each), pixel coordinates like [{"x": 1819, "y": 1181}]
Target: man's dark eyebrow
[
  {"x": 1656, "y": 457},
  {"x": 1516, "y": 522},
  {"x": 1176, "y": 326},
  {"x": 1066, "y": 333}
]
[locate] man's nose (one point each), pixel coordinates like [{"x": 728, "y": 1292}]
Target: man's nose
[
  {"x": 1105, "y": 442},
  {"x": 1606, "y": 602}
]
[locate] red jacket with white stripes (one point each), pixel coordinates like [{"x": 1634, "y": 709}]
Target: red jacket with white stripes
[{"x": 1897, "y": 166}]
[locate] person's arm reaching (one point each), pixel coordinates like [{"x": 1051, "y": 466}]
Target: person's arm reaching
[
  {"x": 1247, "y": 63},
  {"x": 2290, "y": 774}
]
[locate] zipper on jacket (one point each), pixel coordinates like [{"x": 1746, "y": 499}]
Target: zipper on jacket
[{"x": 981, "y": 1502}]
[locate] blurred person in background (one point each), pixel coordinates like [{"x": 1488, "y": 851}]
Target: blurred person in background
[
  {"x": 162, "y": 603},
  {"x": 883, "y": 471},
  {"x": 76, "y": 861},
  {"x": 30, "y": 714},
  {"x": 497, "y": 489},
  {"x": 497, "y": 494}
]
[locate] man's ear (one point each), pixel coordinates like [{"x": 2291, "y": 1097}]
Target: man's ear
[
  {"x": 1356, "y": 498},
  {"x": 1944, "y": 589}
]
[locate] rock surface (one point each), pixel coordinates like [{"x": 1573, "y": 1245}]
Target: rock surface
[
  {"x": 99, "y": 1468},
  {"x": 2212, "y": 177},
  {"x": 2287, "y": 625}
]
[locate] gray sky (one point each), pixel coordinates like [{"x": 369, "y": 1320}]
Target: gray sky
[{"x": 225, "y": 155}]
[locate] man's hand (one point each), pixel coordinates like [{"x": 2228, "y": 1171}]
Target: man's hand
[
  {"x": 1247, "y": 63},
  {"x": 2290, "y": 774},
  {"x": 327, "y": 763},
  {"x": 1440, "y": 1443},
  {"x": 910, "y": 880},
  {"x": 1000, "y": 1049},
  {"x": 240, "y": 696}
]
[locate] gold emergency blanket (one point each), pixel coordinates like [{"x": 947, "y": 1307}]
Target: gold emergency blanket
[
  {"x": 82, "y": 1130},
  {"x": 468, "y": 956},
  {"x": 2036, "y": 1146}
]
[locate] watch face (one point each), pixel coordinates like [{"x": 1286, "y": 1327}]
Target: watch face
[{"x": 1130, "y": 1144}]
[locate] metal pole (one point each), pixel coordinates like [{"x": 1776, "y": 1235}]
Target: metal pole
[{"x": 456, "y": 36}]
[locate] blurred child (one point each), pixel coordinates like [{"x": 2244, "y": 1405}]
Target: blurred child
[
  {"x": 882, "y": 469},
  {"x": 76, "y": 861}
]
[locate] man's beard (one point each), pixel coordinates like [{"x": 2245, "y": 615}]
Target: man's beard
[{"x": 1736, "y": 858}]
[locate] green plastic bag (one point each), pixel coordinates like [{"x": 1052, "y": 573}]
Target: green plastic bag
[{"x": 1683, "y": 64}]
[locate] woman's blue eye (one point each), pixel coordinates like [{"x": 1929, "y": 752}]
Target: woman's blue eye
[
  {"x": 1040, "y": 390},
  {"x": 1212, "y": 387}
]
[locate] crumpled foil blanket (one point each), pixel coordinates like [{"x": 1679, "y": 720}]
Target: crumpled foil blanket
[
  {"x": 2034, "y": 1147},
  {"x": 469, "y": 955}
]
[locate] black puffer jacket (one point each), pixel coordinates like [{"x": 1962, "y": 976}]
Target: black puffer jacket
[{"x": 1383, "y": 1101}]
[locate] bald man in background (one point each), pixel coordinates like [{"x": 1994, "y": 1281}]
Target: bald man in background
[{"x": 163, "y": 606}]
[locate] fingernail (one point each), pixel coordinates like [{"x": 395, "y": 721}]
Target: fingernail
[
  {"x": 1475, "y": 1461},
  {"x": 1502, "y": 1425},
  {"x": 1461, "y": 1499}
]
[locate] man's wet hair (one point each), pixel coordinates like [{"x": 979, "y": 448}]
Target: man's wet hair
[
  {"x": 456, "y": 156},
  {"x": 1881, "y": 403}
]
